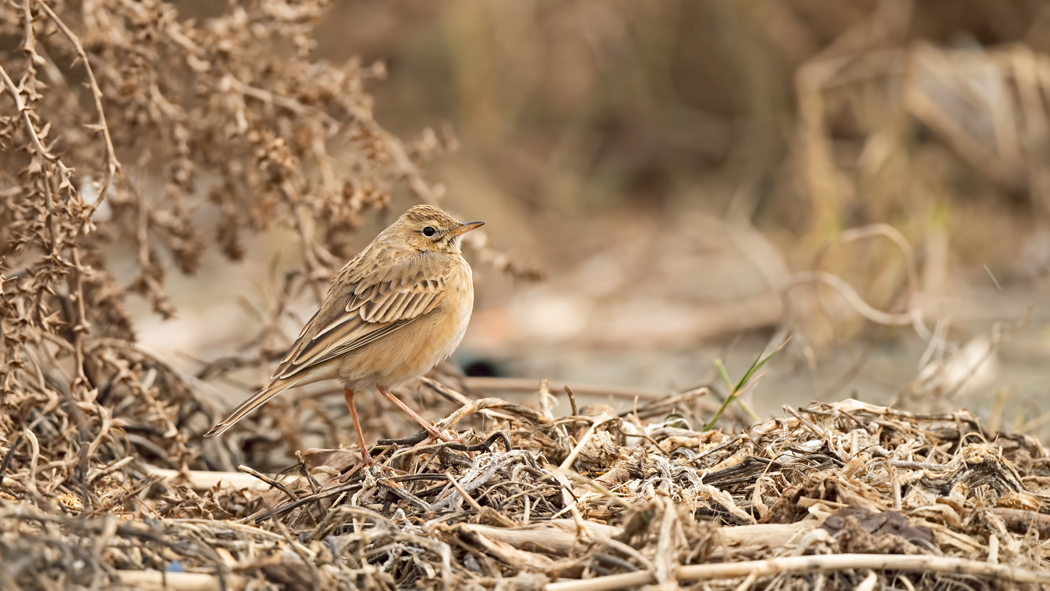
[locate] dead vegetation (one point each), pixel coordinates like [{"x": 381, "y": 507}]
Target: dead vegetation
[
  {"x": 835, "y": 496},
  {"x": 126, "y": 127}
]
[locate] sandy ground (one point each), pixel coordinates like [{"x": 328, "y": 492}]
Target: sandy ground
[{"x": 573, "y": 329}]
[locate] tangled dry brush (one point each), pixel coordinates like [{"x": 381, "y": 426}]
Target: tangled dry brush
[{"x": 127, "y": 129}]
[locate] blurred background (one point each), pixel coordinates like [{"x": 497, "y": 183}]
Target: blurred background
[{"x": 701, "y": 178}]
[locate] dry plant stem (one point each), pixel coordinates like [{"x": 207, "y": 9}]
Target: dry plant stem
[
  {"x": 814, "y": 564},
  {"x": 42, "y": 155},
  {"x": 1022, "y": 521},
  {"x": 898, "y": 239},
  {"x": 30, "y": 40},
  {"x": 112, "y": 165},
  {"x": 34, "y": 450},
  {"x": 464, "y": 494},
  {"x": 152, "y": 580},
  {"x": 81, "y": 328},
  {"x": 747, "y": 583},
  {"x": 567, "y": 464},
  {"x": 665, "y": 545},
  {"x": 572, "y": 400},
  {"x": 270, "y": 481},
  {"x": 594, "y": 486},
  {"x": 444, "y": 390},
  {"x": 852, "y": 298},
  {"x": 406, "y": 166},
  {"x": 283, "y": 102},
  {"x": 999, "y": 336},
  {"x": 205, "y": 480},
  {"x": 809, "y": 424},
  {"x": 76, "y": 283},
  {"x": 625, "y": 550},
  {"x": 571, "y": 504},
  {"x": 460, "y": 398},
  {"x": 305, "y": 554},
  {"x": 484, "y": 404},
  {"x": 531, "y": 385}
]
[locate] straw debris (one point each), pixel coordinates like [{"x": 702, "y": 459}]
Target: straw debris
[{"x": 829, "y": 496}]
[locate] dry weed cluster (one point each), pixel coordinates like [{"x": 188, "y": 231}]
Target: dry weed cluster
[{"x": 127, "y": 129}]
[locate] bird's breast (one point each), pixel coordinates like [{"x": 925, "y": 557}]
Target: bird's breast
[{"x": 419, "y": 346}]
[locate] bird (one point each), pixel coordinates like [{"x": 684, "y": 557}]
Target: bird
[{"x": 397, "y": 309}]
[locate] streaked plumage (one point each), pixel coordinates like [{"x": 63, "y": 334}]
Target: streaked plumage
[{"x": 399, "y": 308}]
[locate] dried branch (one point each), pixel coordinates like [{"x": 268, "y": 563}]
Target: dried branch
[
  {"x": 813, "y": 564},
  {"x": 112, "y": 165}
]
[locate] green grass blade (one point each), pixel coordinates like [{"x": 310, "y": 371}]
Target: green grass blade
[
  {"x": 724, "y": 375},
  {"x": 757, "y": 365}
]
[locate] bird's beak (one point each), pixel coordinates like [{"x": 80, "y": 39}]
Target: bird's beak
[{"x": 465, "y": 227}]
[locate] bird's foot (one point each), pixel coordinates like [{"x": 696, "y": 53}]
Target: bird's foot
[
  {"x": 368, "y": 460},
  {"x": 438, "y": 437},
  {"x": 435, "y": 434},
  {"x": 423, "y": 437}
]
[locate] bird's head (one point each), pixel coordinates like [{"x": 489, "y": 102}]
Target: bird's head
[{"x": 428, "y": 229}]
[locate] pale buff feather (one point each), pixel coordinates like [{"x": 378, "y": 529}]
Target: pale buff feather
[{"x": 397, "y": 309}]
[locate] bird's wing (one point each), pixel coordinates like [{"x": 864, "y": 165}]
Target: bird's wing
[
  {"x": 367, "y": 302},
  {"x": 378, "y": 292}
]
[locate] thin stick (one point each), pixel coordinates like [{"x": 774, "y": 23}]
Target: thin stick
[
  {"x": 449, "y": 393},
  {"x": 570, "y": 502},
  {"x": 808, "y": 424},
  {"x": 567, "y": 464},
  {"x": 814, "y": 564},
  {"x": 42, "y": 154},
  {"x": 463, "y": 494},
  {"x": 625, "y": 550},
  {"x": 902, "y": 243},
  {"x": 76, "y": 285},
  {"x": 269, "y": 481},
  {"x": 204, "y": 480},
  {"x": 572, "y": 400},
  {"x": 604, "y": 583},
  {"x": 112, "y": 164},
  {"x": 878, "y": 562},
  {"x": 153, "y": 579},
  {"x": 531, "y": 385},
  {"x": 852, "y": 298}
]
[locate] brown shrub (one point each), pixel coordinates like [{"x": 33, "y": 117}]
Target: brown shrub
[{"x": 125, "y": 128}]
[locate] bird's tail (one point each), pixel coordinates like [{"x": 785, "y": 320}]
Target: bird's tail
[{"x": 242, "y": 410}]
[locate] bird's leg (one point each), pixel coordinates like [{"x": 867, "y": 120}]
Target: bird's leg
[
  {"x": 366, "y": 457},
  {"x": 425, "y": 423}
]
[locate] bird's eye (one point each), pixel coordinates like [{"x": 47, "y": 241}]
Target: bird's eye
[{"x": 429, "y": 231}]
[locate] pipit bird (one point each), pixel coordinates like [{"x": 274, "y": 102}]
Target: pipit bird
[{"x": 399, "y": 308}]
